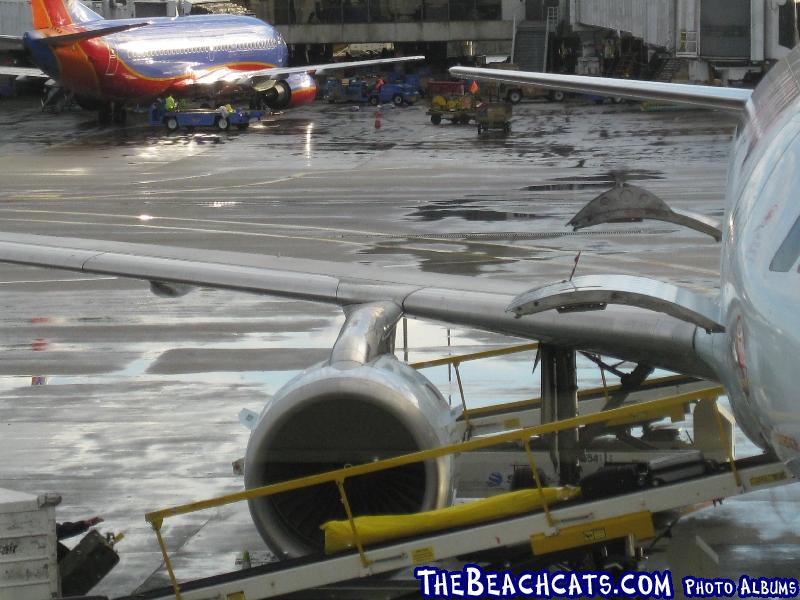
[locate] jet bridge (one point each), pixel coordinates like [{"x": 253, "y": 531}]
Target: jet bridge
[{"x": 568, "y": 531}]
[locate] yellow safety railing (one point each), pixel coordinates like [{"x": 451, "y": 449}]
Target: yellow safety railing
[
  {"x": 456, "y": 361},
  {"x": 470, "y": 413},
  {"x": 644, "y": 410},
  {"x": 462, "y": 358}
]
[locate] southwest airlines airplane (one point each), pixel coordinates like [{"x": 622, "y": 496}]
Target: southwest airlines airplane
[{"x": 108, "y": 63}]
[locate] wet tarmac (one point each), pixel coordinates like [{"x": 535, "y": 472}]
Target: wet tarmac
[{"x": 124, "y": 402}]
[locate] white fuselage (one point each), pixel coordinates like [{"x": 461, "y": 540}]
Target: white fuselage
[{"x": 760, "y": 283}]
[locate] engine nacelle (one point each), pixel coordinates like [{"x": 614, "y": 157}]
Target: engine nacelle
[
  {"x": 341, "y": 413},
  {"x": 295, "y": 90}
]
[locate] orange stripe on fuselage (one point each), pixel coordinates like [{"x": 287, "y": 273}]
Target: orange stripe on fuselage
[{"x": 78, "y": 67}]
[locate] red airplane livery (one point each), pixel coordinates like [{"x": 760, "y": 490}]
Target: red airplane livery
[{"x": 107, "y": 63}]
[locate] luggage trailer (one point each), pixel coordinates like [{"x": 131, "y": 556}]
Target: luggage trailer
[{"x": 549, "y": 536}]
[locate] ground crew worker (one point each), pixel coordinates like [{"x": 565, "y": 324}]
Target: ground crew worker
[
  {"x": 171, "y": 104},
  {"x": 68, "y": 530}
]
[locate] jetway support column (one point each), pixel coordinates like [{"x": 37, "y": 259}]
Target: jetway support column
[{"x": 560, "y": 401}]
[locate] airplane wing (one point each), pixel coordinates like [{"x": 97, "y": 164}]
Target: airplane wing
[
  {"x": 705, "y": 96},
  {"x": 278, "y": 72},
  {"x": 11, "y": 42},
  {"x": 22, "y": 72},
  {"x": 70, "y": 34},
  {"x": 632, "y": 333}
]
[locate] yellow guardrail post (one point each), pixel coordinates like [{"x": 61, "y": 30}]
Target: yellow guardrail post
[
  {"x": 463, "y": 399},
  {"x": 364, "y": 560},
  {"x": 535, "y": 472},
  {"x": 728, "y": 445},
  {"x": 156, "y": 523}
]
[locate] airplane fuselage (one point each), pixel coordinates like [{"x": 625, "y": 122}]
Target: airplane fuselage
[
  {"x": 183, "y": 56},
  {"x": 760, "y": 283}
]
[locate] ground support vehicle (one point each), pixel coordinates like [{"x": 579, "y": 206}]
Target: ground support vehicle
[
  {"x": 203, "y": 117},
  {"x": 493, "y": 115},
  {"x": 359, "y": 90},
  {"x": 396, "y": 93},
  {"x": 449, "y": 101}
]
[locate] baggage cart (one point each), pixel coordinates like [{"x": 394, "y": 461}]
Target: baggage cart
[
  {"x": 449, "y": 101},
  {"x": 493, "y": 115}
]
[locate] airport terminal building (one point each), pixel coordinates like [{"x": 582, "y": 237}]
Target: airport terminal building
[{"x": 696, "y": 40}]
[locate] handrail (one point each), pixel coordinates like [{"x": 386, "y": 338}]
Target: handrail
[
  {"x": 582, "y": 395},
  {"x": 423, "y": 455},
  {"x": 338, "y": 476},
  {"x": 460, "y": 358}
]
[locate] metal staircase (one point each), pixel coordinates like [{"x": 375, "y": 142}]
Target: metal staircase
[
  {"x": 530, "y": 45},
  {"x": 668, "y": 69}
]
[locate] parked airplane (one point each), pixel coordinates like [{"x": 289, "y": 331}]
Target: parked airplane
[
  {"x": 108, "y": 63},
  {"x": 363, "y": 403}
]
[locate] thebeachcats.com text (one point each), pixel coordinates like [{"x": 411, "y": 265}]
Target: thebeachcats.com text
[{"x": 474, "y": 582}]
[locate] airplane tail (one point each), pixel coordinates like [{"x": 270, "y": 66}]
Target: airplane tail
[{"x": 58, "y": 13}]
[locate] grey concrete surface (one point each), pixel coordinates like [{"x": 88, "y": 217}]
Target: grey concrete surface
[{"x": 125, "y": 402}]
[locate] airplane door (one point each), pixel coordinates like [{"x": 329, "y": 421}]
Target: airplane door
[{"x": 112, "y": 62}]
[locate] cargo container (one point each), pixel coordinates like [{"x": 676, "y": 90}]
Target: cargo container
[{"x": 28, "y": 546}]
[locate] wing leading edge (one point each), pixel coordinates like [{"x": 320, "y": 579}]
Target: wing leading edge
[
  {"x": 706, "y": 96},
  {"x": 629, "y": 333}
]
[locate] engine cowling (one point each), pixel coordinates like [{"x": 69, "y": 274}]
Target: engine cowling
[
  {"x": 328, "y": 418},
  {"x": 339, "y": 413},
  {"x": 295, "y": 90}
]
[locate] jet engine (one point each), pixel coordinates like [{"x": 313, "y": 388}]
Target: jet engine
[
  {"x": 360, "y": 406},
  {"x": 294, "y": 90},
  {"x": 276, "y": 96}
]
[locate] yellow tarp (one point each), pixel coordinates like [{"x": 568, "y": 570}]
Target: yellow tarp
[{"x": 372, "y": 529}]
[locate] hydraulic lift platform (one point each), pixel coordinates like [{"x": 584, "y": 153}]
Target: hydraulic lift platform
[{"x": 515, "y": 542}]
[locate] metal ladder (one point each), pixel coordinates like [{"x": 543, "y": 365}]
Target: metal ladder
[{"x": 551, "y": 25}]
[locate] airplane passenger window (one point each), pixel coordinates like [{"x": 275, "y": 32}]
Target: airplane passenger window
[{"x": 789, "y": 250}]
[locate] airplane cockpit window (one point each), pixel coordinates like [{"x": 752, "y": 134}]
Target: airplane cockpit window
[{"x": 789, "y": 251}]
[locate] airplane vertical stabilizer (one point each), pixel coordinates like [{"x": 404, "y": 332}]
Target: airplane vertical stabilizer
[{"x": 58, "y": 13}]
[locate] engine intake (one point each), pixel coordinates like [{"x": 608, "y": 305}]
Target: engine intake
[
  {"x": 276, "y": 96},
  {"x": 348, "y": 411}
]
